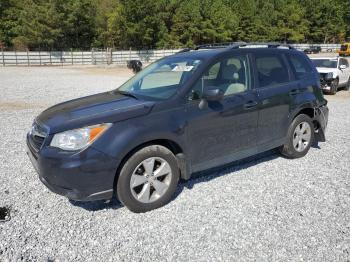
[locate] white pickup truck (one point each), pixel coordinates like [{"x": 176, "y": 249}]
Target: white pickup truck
[{"x": 334, "y": 73}]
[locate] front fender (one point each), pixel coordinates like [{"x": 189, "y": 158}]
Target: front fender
[{"x": 127, "y": 135}]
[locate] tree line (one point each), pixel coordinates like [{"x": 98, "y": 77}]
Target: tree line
[{"x": 149, "y": 24}]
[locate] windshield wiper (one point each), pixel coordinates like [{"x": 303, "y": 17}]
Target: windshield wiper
[{"x": 125, "y": 93}]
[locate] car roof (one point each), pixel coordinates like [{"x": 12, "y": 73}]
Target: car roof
[
  {"x": 200, "y": 54},
  {"x": 205, "y": 54}
]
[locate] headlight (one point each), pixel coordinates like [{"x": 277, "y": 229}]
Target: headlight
[
  {"x": 78, "y": 138},
  {"x": 329, "y": 76}
]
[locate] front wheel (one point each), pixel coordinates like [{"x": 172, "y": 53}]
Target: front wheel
[
  {"x": 299, "y": 138},
  {"x": 148, "y": 179}
]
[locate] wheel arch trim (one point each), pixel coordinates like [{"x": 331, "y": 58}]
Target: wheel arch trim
[{"x": 170, "y": 144}]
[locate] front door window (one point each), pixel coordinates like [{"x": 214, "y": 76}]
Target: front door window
[{"x": 231, "y": 75}]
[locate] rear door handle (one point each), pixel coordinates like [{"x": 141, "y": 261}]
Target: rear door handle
[
  {"x": 250, "y": 104},
  {"x": 294, "y": 92}
]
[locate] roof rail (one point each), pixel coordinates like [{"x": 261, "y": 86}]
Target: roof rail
[
  {"x": 268, "y": 44},
  {"x": 235, "y": 45},
  {"x": 218, "y": 45}
]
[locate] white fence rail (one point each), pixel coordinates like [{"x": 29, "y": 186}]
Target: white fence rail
[
  {"x": 93, "y": 57},
  {"x": 96, "y": 57},
  {"x": 324, "y": 47}
]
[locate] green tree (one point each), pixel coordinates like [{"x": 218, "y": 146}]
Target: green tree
[
  {"x": 136, "y": 24},
  {"x": 79, "y": 24},
  {"x": 291, "y": 22},
  {"x": 8, "y": 21},
  {"x": 141, "y": 24},
  {"x": 326, "y": 20},
  {"x": 104, "y": 13},
  {"x": 37, "y": 25}
]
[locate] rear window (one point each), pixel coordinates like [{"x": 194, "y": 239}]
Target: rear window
[
  {"x": 271, "y": 70},
  {"x": 300, "y": 66}
]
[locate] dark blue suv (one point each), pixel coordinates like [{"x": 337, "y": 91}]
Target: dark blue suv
[{"x": 185, "y": 113}]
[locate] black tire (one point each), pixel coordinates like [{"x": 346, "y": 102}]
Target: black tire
[
  {"x": 288, "y": 149},
  {"x": 347, "y": 87},
  {"x": 334, "y": 86},
  {"x": 124, "y": 192}
]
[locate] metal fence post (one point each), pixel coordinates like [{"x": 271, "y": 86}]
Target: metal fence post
[
  {"x": 110, "y": 54},
  {"x": 92, "y": 56},
  {"x": 39, "y": 57},
  {"x": 16, "y": 57},
  {"x": 82, "y": 57},
  {"x": 28, "y": 58},
  {"x": 3, "y": 57},
  {"x": 50, "y": 58},
  {"x": 71, "y": 52}
]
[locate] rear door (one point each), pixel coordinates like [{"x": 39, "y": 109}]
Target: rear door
[{"x": 275, "y": 92}]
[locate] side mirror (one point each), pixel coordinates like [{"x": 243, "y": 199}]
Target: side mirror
[
  {"x": 213, "y": 94},
  {"x": 342, "y": 67}
]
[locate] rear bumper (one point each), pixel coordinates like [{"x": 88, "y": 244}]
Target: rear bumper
[
  {"x": 321, "y": 116},
  {"x": 83, "y": 176}
]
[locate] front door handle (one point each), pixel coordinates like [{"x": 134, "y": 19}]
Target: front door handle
[
  {"x": 294, "y": 92},
  {"x": 250, "y": 104}
]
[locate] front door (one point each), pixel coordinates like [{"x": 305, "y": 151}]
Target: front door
[{"x": 225, "y": 130}]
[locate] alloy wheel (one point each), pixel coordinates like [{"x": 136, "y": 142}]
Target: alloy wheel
[
  {"x": 150, "y": 180},
  {"x": 301, "y": 136}
]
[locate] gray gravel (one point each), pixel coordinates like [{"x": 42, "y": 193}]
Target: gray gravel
[{"x": 267, "y": 209}]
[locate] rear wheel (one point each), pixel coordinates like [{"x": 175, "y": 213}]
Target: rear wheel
[
  {"x": 334, "y": 86},
  {"x": 148, "y": 179},
  {"x": 299, "y": 138}
]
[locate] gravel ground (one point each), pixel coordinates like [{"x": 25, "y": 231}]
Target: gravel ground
[{"x": 266, "y": 209}]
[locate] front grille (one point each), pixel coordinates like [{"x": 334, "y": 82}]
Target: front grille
[{"x": 37, "y": 136}]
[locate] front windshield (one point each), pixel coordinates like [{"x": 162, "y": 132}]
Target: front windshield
[
  {"x": 329, "y": 63},
  {"x": 161, "y": 79}
]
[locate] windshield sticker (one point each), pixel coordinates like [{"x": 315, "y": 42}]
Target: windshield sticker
[{"x": 181, "y": 68}]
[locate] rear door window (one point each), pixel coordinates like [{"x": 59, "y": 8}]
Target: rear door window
[
  {"x": 271, "y": 70},
  {"x": 300, "y": 66}
]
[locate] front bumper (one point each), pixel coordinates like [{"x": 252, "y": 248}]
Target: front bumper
[
  {"x": 325, "y": 84},
  {"x": 326, "y": 87},
  {"x": 83, "y": 176}
]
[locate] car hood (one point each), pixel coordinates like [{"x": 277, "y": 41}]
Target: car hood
[
  {"x": 108, "y": 107},
  {"x": 327, "y": 70}
]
